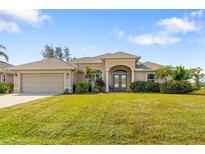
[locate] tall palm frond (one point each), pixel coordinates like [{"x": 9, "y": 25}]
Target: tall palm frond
[
  {"x": 3, "y": 53},
  {"x": 3, "y": 47}
]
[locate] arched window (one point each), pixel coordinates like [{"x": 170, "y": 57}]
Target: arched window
[
  {"x": 120, "y": 72},
  {"x": 98, "y": 75},
  {"x": 150, "y": 77}
]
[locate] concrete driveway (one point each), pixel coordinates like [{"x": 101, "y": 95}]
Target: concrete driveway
[{"x": 13, "y": 99}]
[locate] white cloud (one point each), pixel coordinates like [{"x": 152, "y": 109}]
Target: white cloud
[
  {"x": 198, "y": 13},
  {"x": 32, "y": 17},
  {"x": 169, "y": 30},
  {"x": 177, "y": 25},
  {"x": 161, "y": 38},
  {"x": 9, "y": 19},
  {"x": 120, "y": 33},
  {"x": 9, "y": 27}
]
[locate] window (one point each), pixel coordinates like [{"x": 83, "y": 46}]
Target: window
[
  {"x": 4, "y": 78},
  {"x": 120, "y": 72},
  {"x": 150, "y": 77},
  {"x": 98, "y": 75}
]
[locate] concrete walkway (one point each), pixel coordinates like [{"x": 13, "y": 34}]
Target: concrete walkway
[{"x": 13, "y": 99}]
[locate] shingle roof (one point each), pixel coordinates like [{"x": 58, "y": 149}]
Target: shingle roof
[
  {"x": 120, "y": 54},
  {"x": 87, "y": 60},
  {"x": 147, "y": 66},
  {"x": 45, "y": 64},
  {"x": 98, "y": 59},
  {"x": 4, "y": 65}
]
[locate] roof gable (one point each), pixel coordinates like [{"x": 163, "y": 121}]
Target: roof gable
[
  {"x": 148, "y": 66},
  {"x": 45, "y": 64},
  {"x": 120, "y": 55},
  {"x": 4, "y": 65}
]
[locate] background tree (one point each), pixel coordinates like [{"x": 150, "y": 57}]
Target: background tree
[
  {"x": 2, "y": 53},
  {"x": 197, "y": 76},
  {"x": 180, "y": 73},
  {"x": 56, "y": 52},
  {"x": 67, "y": 54},
  {"x": 163, "y": 72}
]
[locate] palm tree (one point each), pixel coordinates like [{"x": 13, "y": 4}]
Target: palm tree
[
  {"x": 181, "y": 73},
  {"x": 3, "y": 53},
  {"x": 163, "y": 72}
]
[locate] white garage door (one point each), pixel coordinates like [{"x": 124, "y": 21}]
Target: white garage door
[{"x": 43, "y": 83}]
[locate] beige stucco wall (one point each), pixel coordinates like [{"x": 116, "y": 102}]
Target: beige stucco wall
[
  {"x": 142, "y": 76},
  {"x": 16, "y": 83},
  {"x": 126, "y": 62},
  {"x": 8, "y": 77},
  {"x": 95, "y": 66},
  {"x": 78, "y": 76}
]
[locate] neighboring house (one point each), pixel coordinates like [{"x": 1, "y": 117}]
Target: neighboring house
[
  {"x": 118, "y": 70},
  {"x": 5, "y": 75}
]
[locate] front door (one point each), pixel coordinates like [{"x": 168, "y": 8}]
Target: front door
[{"x": 120, "y": 81}]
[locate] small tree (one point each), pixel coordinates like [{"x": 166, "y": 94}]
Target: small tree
[
  {"x": 3, "y": 53},
  {"x": 163, "y": 72},
  {"x": 89, "y": 74},
  {"x": 197, "y": 76},
  {"x": 180, "y": 73}
]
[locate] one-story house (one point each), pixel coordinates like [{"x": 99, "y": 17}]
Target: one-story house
[
  {"x": 53, "y": 75},
  {"x": 6, "y": 76}
]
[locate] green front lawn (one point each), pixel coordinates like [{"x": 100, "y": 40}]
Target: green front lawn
[{"x": 106, "y": 119}]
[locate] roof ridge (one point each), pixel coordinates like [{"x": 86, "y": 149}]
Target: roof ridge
[{"x": 151, "y": 62}]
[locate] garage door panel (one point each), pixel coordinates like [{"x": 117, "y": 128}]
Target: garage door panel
[{"x": 43, "y": 83}]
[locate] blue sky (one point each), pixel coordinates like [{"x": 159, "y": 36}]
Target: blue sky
[{"x": 169, "y": 37}]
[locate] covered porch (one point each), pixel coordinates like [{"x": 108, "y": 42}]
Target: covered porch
[{"x": 119, "y": 78}]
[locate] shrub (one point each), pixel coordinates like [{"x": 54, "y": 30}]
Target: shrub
[
  {"x": 82, "y": 86},
  {"x": 4, "y": 88},
  {"x": 176, "y": 87},
  {"x": 11, "y": 87},
  {"x": 99, "y": 86},
  {"x": 144, "y": 86}
]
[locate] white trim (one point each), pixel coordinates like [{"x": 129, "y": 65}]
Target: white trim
[
  {"x": 65, "y": 83},
  {"x": 19, "y": 82},
  {"x": 107, "y": 81},
  {"x": 133, "y": 76}
]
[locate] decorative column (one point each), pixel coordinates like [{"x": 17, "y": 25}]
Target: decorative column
[
  {"x": 133, "y": 75},
  {"x": 65, "y": 81},
  {"x": 107, "y": 80},
  {"x": 1, "y": 78},
  {"x": 70, "y": 82},
  {"x": 19, "y": 83}
]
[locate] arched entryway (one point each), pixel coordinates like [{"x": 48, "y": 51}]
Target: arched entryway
[{"x": 119, "y": 78}]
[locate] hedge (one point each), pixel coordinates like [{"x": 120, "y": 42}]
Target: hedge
[
  {"x": 144, "y": 86},
  {"x": 4, "y": 88},
  {"x": 82, "y": 86},
  {"x": 176, "y": 87}
]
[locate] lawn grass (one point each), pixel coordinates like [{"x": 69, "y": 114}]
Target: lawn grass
[
  {"x": 199, "y": 92},
  {"x": 121, "y": 118}
]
